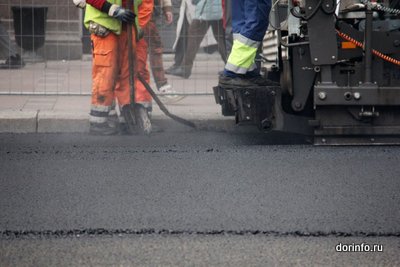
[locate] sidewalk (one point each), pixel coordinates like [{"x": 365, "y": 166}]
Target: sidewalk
[
  {"x": 54, "y": 97},
  {"x": 70, "y": 114}
]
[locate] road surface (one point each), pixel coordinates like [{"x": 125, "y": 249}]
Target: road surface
[{"x": 195, "y": 198}]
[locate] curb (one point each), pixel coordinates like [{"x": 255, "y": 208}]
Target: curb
[
  {"x": 17, "y": 121},
  {"x": 62, "y": 122}
]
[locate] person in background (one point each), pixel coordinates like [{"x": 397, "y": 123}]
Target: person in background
[
  {"x": 227, "y": 18},
  {"x": 155, "y": 49},
  {"x": 249, "y": 24},
  {"x": 8, "y": 52},
  {"x": 208, "y": 13},
  {"x": 180, "y": 44}
]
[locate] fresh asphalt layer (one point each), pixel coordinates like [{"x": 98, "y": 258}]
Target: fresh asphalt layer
[
  {"x": 195, "y": 198},
  {"x": 194, "y": 182}
]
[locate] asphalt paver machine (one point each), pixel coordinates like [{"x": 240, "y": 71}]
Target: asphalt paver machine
[{"x": 338, "y": 65}]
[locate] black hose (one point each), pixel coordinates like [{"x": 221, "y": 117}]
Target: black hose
[{"x": 162, "y": 106}]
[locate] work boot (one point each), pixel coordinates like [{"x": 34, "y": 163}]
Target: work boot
[
  {"x": 102, "y": 129},
  {"x": 242, "y": 81},
  {"x": 124, "y": 129},
  {"x": 180, "y": 71},
  {"x": 113, "y": 118},
  {"x": 167, "y": 94},
  {"x": 234, "y": 82}
]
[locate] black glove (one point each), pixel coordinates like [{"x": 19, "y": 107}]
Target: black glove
[{"x": 124, "y": 15}]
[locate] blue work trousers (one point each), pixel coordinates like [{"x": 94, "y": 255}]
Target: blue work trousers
[{"x": 250, "y": 18}]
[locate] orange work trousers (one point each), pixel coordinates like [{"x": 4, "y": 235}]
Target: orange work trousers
[{"x": 110, "y": 73}]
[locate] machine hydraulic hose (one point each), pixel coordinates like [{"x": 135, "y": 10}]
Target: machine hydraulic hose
[
  {"x": 379, "y": 7},
  {"x": 375, "y": 52}
]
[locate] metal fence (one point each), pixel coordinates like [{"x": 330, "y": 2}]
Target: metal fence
[{"x": 58, "y": 54}]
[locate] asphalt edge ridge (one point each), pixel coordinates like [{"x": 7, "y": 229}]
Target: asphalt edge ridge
[{"x": 15, "y": 234}]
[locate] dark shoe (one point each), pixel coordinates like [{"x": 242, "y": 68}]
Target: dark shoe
[
  {"x": 124, "y": 129},
  {"x": 234, "y": 82},
  {"x": 181, "y": 72},
  {"x": 241, "y": 81},
  {"x": 102, "y": 129},
  {"x": 13, "y": 62},
  {"x": 171, "y": 69}
]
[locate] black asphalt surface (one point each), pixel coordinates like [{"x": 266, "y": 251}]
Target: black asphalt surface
[
  {"x": 196, "y": 182},
  {"x": 186, "y": 198}
]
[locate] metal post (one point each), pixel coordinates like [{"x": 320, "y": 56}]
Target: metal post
[
  {"x": 368, "y": 45},
  {"x": 279, "y": 33}
]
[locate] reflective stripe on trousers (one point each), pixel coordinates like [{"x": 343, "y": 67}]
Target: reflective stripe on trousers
[
  {"x": 110, "y": 73},
  {"x": 243, "y": 54}
]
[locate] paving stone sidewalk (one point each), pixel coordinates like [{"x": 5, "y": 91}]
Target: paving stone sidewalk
[
  {"x": 54, "y": 97},
  {"x": 61, "y": 114}
]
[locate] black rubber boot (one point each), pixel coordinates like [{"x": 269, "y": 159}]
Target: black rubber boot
[
  {"x": 123, "y": 129},
  {"x": 243, "y": 82},
  {"x": 102, "y": 129}
]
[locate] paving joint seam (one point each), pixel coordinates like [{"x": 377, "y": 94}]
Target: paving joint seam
[{"x": 10, "y": 234}]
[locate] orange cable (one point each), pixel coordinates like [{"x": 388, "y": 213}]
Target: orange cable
[{"x": 375, "y": 52}]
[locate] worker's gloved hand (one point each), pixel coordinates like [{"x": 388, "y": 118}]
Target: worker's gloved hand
[{"x": 122, "y": 14}]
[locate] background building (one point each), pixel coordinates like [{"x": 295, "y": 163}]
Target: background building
[
  {"x": 65, "y": 36},
  {"x": 63, "y": 27}
]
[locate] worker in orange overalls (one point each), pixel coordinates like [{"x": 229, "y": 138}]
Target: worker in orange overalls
[{"x": 107, "y": 21}]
